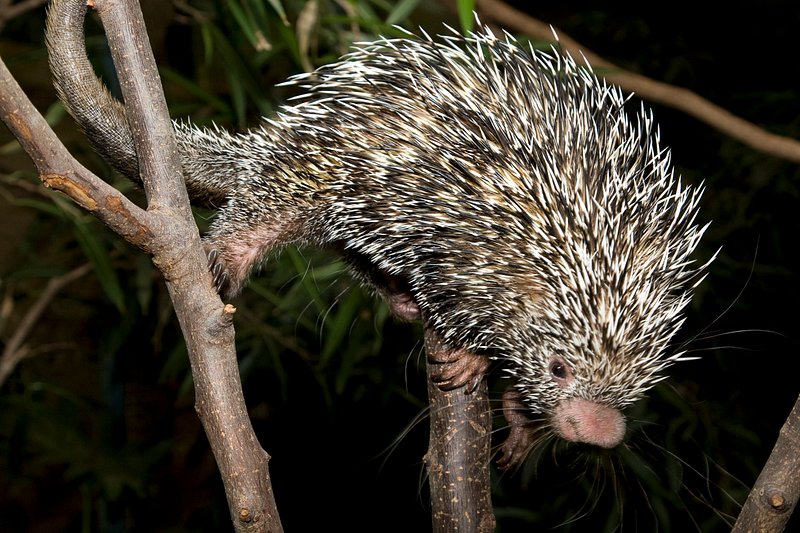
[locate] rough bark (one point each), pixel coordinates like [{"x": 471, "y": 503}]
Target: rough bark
[{"x": 457, "y": 460}]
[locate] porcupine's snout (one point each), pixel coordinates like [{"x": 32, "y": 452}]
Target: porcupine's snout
[
  {"x": 581, "y": 420},
  {"x": 577, "y": 419}
]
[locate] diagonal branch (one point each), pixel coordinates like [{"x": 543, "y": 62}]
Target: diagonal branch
[
  {"x": 777, "y": 489},
  {"x": 60, "y": 171},
  {"x": 646, "y": 88},
  {"x": 14, "y": 351}
]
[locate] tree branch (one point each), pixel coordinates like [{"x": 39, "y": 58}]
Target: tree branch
[
  {"x": 148, "y": 118},
  {"x": 777, "y": 489},
  {"x": 60, "y": 171},
  {"x": 646, "y": 88},
  {"x": 457, "y": 460},
  {"x": 209, "y": 334},
  {"x": 14, "y": 351}
]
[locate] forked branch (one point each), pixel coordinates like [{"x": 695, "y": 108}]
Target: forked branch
[{"x": 167, "y": 231}]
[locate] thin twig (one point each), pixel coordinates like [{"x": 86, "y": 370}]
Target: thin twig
[{"x": 14, "y": 351}]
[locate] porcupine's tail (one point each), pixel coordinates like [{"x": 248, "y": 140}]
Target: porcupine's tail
[{"x": 101, "y": 117}]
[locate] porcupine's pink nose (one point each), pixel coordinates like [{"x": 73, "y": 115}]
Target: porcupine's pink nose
[{"x": 579, "y": 420}]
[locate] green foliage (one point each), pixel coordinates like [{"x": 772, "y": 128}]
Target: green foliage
[{"x": 465, "y": 14}]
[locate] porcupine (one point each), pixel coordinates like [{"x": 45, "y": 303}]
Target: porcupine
[{"x": 500, "y": 193}]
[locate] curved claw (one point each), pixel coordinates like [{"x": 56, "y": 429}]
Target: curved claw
[
  {"x": 453, "y": 369},
  {"x": 219, "y": 272},
  {"x": 212, "y": 257}
]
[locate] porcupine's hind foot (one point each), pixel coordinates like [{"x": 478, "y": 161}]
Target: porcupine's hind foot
[
  {"x": 240, "y": 239},
  {"x": 231, "y": 259},
  {"x": 399, "y": 299},
  {"x": 394, "y": 289},
  {"x": 219, "y": 272},
  {"x": 231, "y": 262}
]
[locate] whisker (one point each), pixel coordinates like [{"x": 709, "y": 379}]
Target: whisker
[{"x": 733, "y": 302}]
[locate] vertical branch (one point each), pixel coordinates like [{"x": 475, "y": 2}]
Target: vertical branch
[
  {"x": 208, "y": 332},
  {"x": 146, "y": 105},
  {"x": 457, "y": 460},
  {"x": 167, "y": 231}
]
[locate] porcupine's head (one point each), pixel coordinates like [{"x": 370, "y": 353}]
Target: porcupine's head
[{"x": 561, "y": 236}]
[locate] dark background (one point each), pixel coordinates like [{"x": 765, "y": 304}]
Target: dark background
[{"x": 98, "y": 431}]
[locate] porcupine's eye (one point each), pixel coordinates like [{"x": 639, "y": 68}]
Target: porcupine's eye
[{"x": 560, "y": 371}]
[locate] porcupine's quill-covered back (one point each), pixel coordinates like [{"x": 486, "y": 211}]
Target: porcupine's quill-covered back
[{"x": 527, "y": 215}]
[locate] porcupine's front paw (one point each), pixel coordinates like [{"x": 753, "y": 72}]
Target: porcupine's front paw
[
  {"x": 454, "y": 368},
  {"x": 521, "y": 437}
]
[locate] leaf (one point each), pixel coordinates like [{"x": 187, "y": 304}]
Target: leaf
[
  {"x": 174, "y": 78},
  {"x": 401, "y": 11},
  {"x": 338, "y": 324},
  {"x": 55, "y": 113},
  {"x": 278, "y": 7},
  {"x": 307, "y": 281},
  {"x": 104, "y": 271},
  {"x": 466, "y": 15},
  {"x": 44, "y": 207},
  {"x": 244, "y": 22}
]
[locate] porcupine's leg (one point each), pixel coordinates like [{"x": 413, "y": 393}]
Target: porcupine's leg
[
  {"x": 392, "y": 288},
  {"x": 450, "y": 368},
  {"x": 240, "y": 238}
]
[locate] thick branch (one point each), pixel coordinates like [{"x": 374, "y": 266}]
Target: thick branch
[
  {"x": 646, "y": 88},
  {"x": 777, "y": 489},
  {"x": 458, "y": 454}
]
